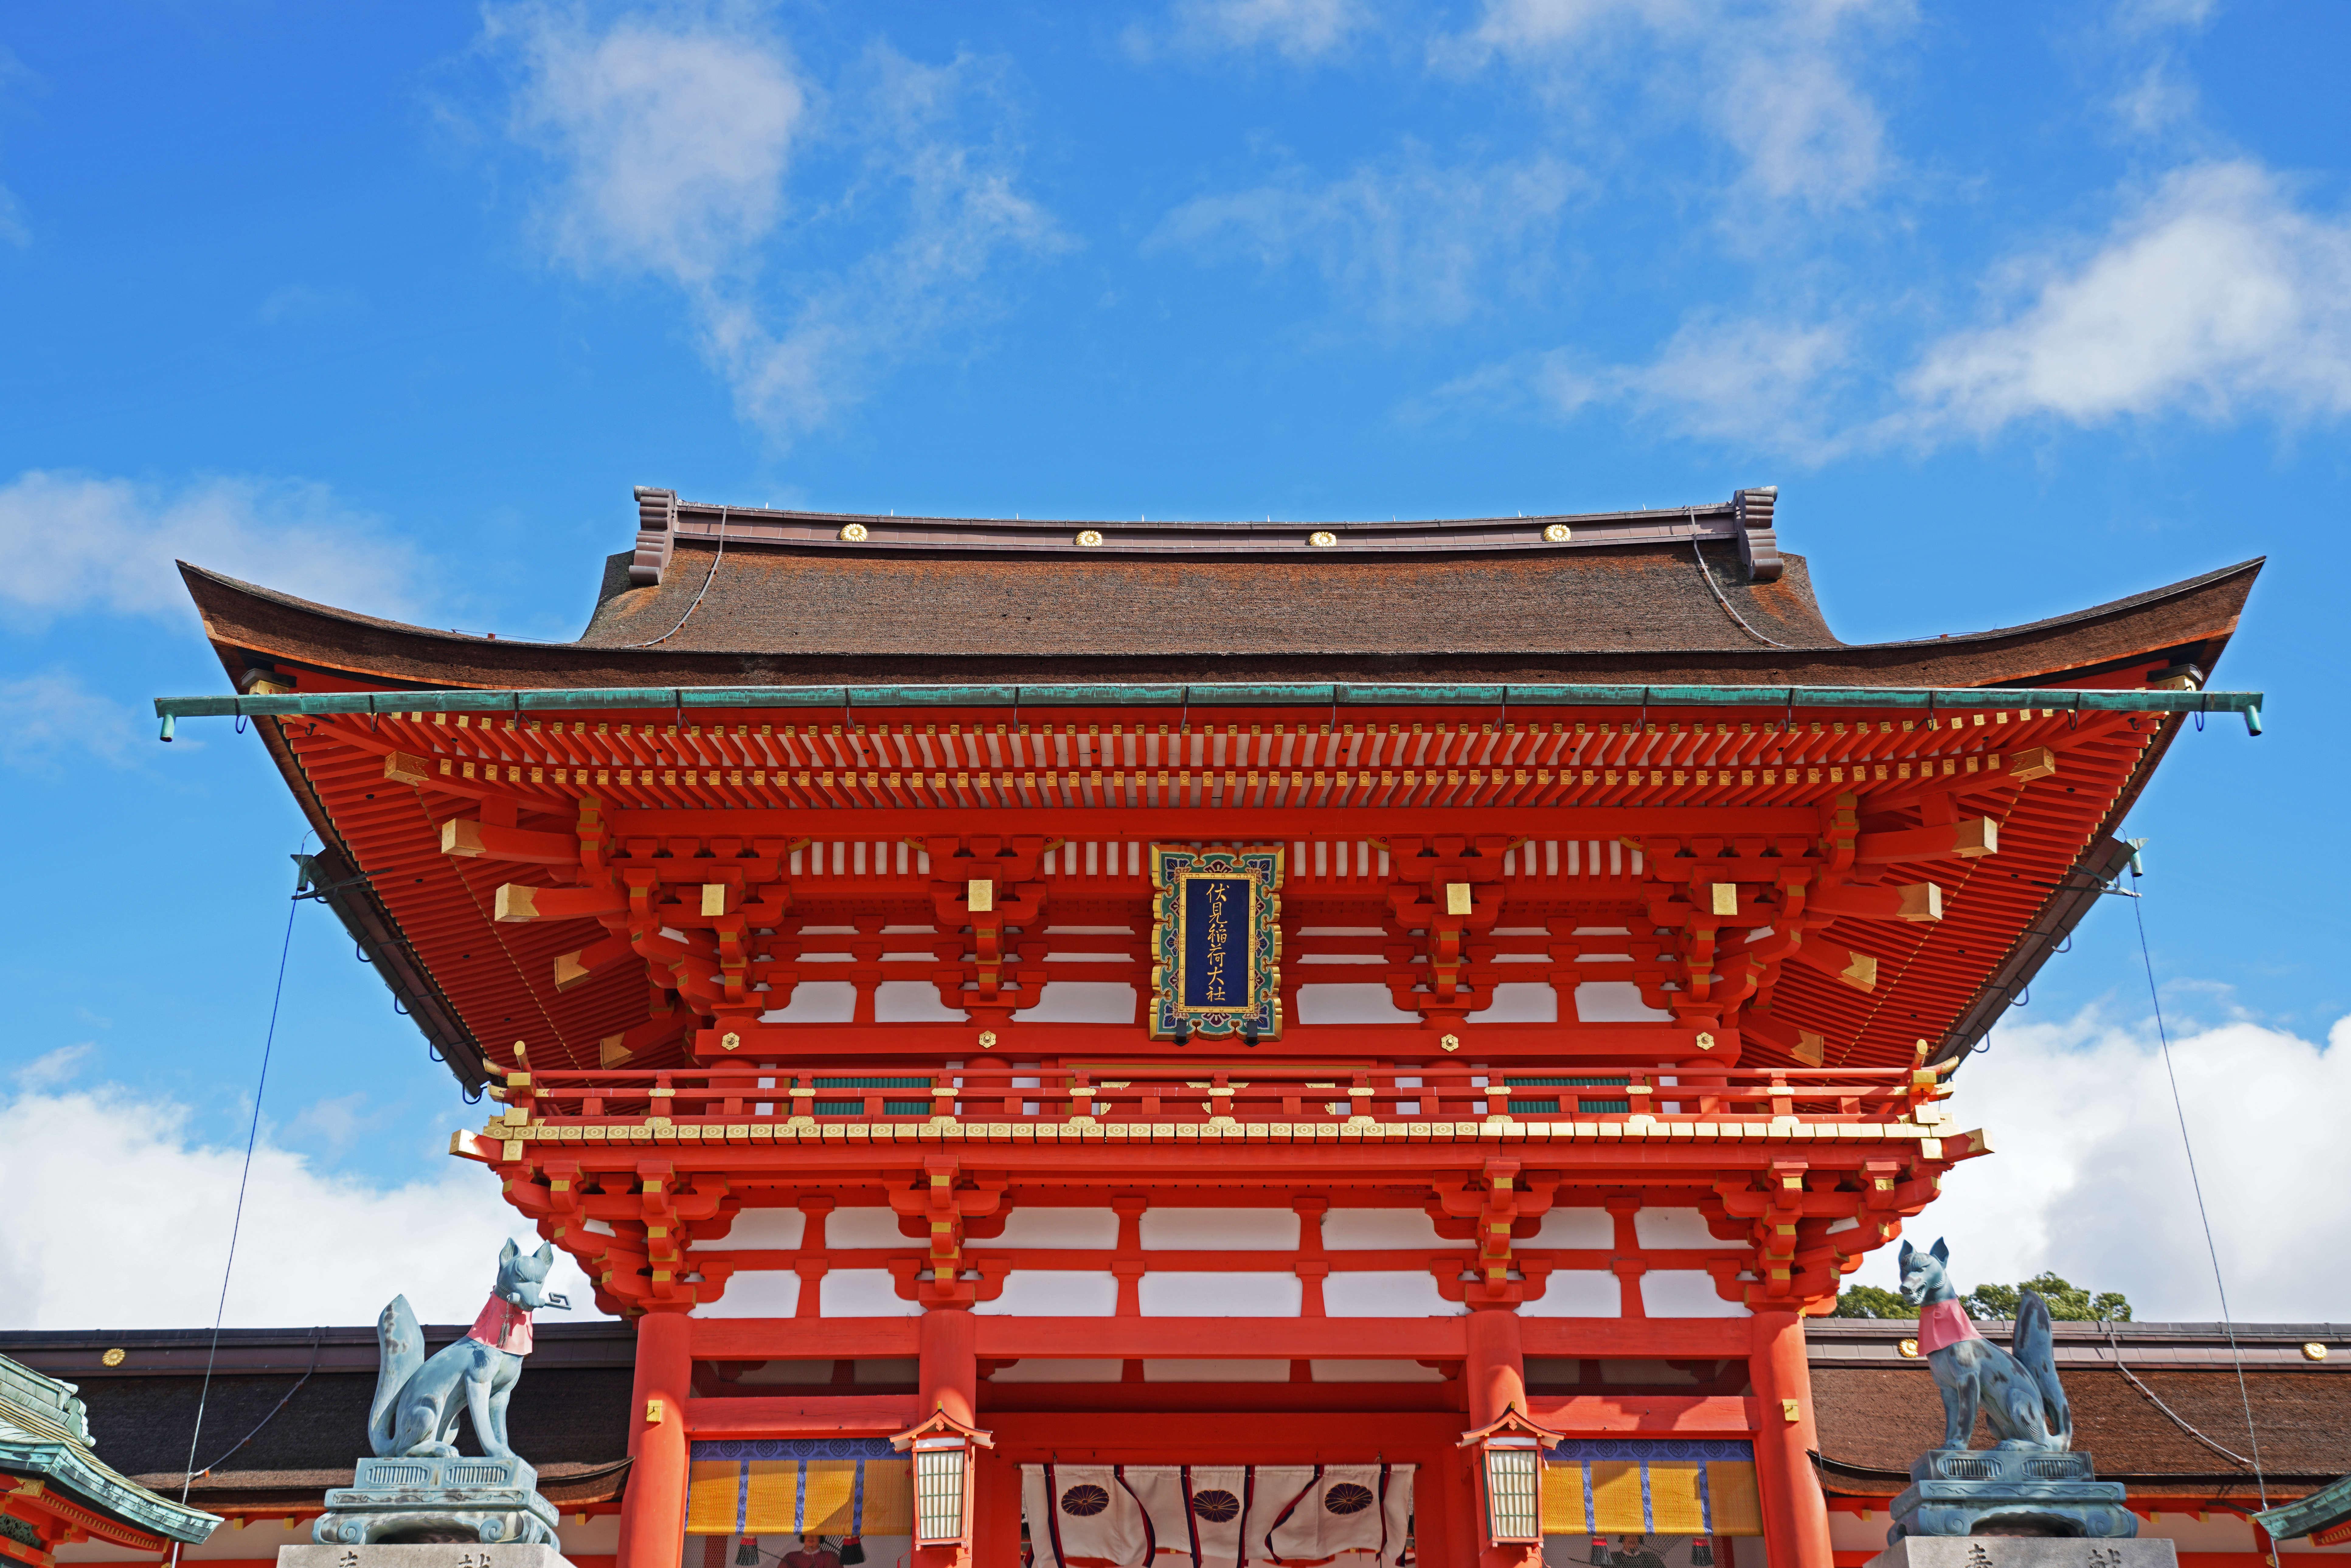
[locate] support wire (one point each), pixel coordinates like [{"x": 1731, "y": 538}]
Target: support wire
[
  {"x": 2195, "y": 1183},
  {"x": 236, "y": 1224}
]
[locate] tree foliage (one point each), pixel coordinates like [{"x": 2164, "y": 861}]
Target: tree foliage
[{"x": 2068, "y": 1302}]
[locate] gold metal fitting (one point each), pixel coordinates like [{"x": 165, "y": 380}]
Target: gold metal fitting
[
  {"x": 853, "y": 533},
  {"x": 1558, "y": 534},
  {"x": 1089, "y": 537},
  {"x": 1321, "y": 539}
]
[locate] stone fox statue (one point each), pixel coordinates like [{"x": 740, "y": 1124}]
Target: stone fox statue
[
  {"x": 2019, "y": 1394},
  {"x": 417, "y": 1401}
]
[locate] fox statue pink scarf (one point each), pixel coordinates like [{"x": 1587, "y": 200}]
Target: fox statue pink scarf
[
  {"x": 1942, "y": 1324},
  {"x": 502, "y": 1326}
]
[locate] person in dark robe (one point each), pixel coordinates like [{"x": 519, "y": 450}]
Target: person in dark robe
[{"x": 813, "y": 1553}]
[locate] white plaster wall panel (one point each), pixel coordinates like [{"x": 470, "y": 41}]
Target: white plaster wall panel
[
  {"x": 1520, "y": 1001},
  {"x": 1352, "y": 1002},
  {"x": 1674, "y": 1228},
  {"x": 1685, "y": 1293},
  {"x": 1578, "y": 1293},
  {"x": 1386, "y": 1293},
  {"x": 1083, "y": 1001},
  {"x": 777, "y": 1230},
  {"x": 1848, "y": 1223},
  {"x": 756, "y": 1293},
  {"x": 1376, "y": 1372},
  {"x": 1215, "y": 1372},
  {"x": 1374, "y": 1230},
  {"x": 1096, "y": 1227},
  {"x": 817, "y": 1001},
  {"x": 910, "y": 1001},
  {"x": 1183, "y": 1295},
  {"x": 873, "y": 1227},
  {"x": 1049, "y": 1369},
  {"x": 1219, "y": 1229},
  {"x": 862, "y": 1293},
  {"x": 597, "y": 1535},
  {"x": 1054, "y": 1293},
  {"x": 1615, "y": 1001},
  {"x": 1575, "y": 1228}
]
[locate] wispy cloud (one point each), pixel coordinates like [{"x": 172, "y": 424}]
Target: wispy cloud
[
  {"x": 78, "y": 543},
  {"x": 1400, "y": 241},
  {"x": 2089, "y": 1178},
  {"x": 107, "y": 1160},
  {"x": 672, "y": 135},
  {"x": 1298, "y": 30},
  {"x": 53, "y": 1068},
  {"x": 2215, "y": 295},
  {"x": 53, "y": 718},
  {"x": 1780, "y": 82}
]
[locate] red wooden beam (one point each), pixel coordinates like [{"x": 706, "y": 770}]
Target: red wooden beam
[{"x": 861, "y": 1414}]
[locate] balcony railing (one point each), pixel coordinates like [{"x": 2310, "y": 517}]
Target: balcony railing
[{"x": 1107, "y": 1095}]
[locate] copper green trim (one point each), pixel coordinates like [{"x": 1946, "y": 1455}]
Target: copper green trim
[{"x": 1502, "y": 698}]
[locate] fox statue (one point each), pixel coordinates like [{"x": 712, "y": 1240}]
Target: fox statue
[
  {"x": 417, "y": 1401},
  {"x": 2019, "y": 1394}
]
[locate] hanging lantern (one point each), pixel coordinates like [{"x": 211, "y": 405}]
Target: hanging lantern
[
  {"x": 943, "y": 1477},
  {"x": 1510, "y": 1456}
]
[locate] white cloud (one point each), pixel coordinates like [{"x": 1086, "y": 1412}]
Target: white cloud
[
  {"x": 1777, "y": 81},
  {"x": 50, "y": 717},
  {"x": 1741, "y": 382},
  {"x": 2217, "y": 294},
  {"x": 313, "y": 1249},
  {"x": 1298, "y": 30},
  {"x": 52, "y": 1067},
  {"x": 2089, "y": 1179},
  {"x": 80, "y": 543},
  {"x": 1405, "y": 240},
  {"x": 672, "y": 135}
]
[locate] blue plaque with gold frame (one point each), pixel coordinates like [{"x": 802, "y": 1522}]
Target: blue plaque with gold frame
[{"x": 1216, "y": 941}]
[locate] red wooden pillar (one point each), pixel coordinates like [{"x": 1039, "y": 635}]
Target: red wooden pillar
[
  {"x": 653, "y": 1508},
  {"x": 949, "y": 1378},
  {"x": 949, "y": 1383},
  {"x": 1795, "y": 1514},
  {"x": 1494, "y": 1370}
]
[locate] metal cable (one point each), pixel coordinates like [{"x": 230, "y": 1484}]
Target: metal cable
[
  {"x": 1716, "y": 588},
  {"x": 710, "y": 577},
  {"x": 2179, "y": 1106},
  {"x": 236, "y": 1224},
  {"x": 2156, "y": 1400}
]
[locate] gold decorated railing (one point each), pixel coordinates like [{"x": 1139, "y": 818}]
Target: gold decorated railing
[{"x": 1107, "y": 1094}]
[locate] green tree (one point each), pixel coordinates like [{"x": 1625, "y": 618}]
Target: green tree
[
  {"x": 1869, "y": 1301},
  {"x": 2068, "y": 1302}
]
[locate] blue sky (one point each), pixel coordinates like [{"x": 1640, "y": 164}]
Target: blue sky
[{"x": 2023, "y": 306}]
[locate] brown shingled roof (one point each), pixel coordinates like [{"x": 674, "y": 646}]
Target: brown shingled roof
[{"x": 1876, "y": 1411}]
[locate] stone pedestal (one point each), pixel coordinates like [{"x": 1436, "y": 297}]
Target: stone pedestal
[
  {"x": 2024, "y": 1552},
  {"x": 422, "y": 1504},
  {"x": 450, "y": 1554},
  {"x": 2012, "y": 1492}
]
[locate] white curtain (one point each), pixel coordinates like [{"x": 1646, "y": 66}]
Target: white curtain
[{"x": 1216, "y": 1516}]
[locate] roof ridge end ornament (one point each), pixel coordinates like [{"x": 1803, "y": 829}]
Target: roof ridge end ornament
[
  {"x": 656, "y": 535},
  {"x": 1759, "y": 543}
]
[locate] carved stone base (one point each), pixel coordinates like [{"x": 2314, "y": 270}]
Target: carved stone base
[
  {"x": 2023, "y": 1551},
  {"x": 2010, "y": 1492},
  {"x": 448, "y": 1554},
  {"x": 425, "y": 1501}
]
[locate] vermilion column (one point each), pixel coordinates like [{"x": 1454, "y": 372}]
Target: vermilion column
[
  {"x": 949, "y": 1383},
  {"x": 1494, "y": 1371},
  {"x": 653, "y": 1508},
  {"x": 950, "y": 1364},
  {"x": 1795, "y": 1514}
]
